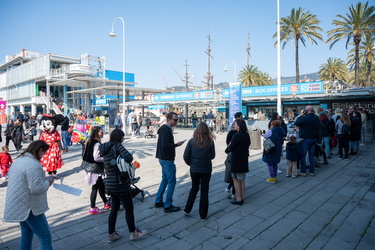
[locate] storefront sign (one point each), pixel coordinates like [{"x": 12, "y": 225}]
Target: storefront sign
[
  {"x": 156, "y": 107},
  {"x": 200, "y": 95},
  {"x": 286, "y": 89}
]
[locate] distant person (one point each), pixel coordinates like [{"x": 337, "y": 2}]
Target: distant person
[
  {"x": 148, "y": 123},
  {"x": 5, "y": 162},
  {"x": 129, "y": 121},
  {"x": 139, "y": 123},
  {"x": 65, "y": 134},
  {"x": 8, "y": 132},
  {"x": 343, "y": 129},
  {"x": 355, "y": 132},
  {"x": 261, "y": 116},
  {"x": 118, "y": 121},
  {"x": 292, "y": 157},
  {"x": 166, "y": 153},
  {"x": 17, "y": 134},
  {"x": 102, "y": 122},
  {"x": 198, "y": 154},
  {"x": 194, "y": 120},
  {"x": 163, "y": 119},
  {"x": 26, "y": 199}
]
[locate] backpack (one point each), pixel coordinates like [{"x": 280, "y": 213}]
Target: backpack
[
  {"x": 125, "y": 167},
  {"x": 345, "y": 129}
]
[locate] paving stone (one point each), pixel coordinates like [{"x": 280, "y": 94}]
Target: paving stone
[{"x": 328, "y": 211}]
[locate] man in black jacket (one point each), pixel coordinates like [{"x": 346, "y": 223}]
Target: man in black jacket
[
  {"x": 308, "y": 131},
  {"x": 166, "y": 153}
]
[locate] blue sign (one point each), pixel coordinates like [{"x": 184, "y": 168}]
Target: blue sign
[
  {"x": 156, "y": 107},
  {"x": 101, "y": 101},
  {"x": 286, "y": 89},
  {"x": 206, "y": 94},
  {"x": 235, "y": 100}
]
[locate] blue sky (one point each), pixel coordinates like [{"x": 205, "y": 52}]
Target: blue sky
[{"x": 160, "y": 35}]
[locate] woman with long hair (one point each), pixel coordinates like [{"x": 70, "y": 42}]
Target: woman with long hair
[
  {"x": 239, "y": 147},
  {"x": 26, "y": 199},
  {"x": 343, "y": 127},
  {"x": 273, "y": 157},
  {"x": 92, "y": 155},
  {"x": 118, "y": 185},
  {"x": 198, "y": 154}
]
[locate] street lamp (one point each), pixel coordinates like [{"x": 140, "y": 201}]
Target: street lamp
[
  {"x": 234, "y": 70},
  {"x": 112, "y": 34},
  {"x": 278, "y": 61}
]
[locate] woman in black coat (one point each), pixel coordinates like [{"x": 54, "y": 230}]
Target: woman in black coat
[
  {"x": 198, "y": 154},
  {"x": 8, "y": 132},
  {"x": 17, "y": 134},
  {"x": 117, "y": 185},
  {"x": 355, "y": 132},
  {"x": 239, "y": 147}
]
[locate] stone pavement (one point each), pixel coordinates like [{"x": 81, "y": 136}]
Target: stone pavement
[{"x": 333, "y": 210}]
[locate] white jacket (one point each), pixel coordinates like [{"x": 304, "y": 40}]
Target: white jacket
[{"x": 27, "y": 189}]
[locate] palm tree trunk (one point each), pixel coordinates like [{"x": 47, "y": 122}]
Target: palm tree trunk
[
  {"x": 297, "y": 62},
  {"x": 369, "y": 65},
  {"x": 356, "y": 67}
]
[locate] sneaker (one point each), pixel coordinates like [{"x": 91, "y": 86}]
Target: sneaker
[
  {"x": 227, "y": 190},
  {"x": 312, "y": 174},
  {"x": 232, "y": 196},
  {"x": 288, "y": 175},
  {"x": 204, "y": 219},
  {"x": 294, "y": 176},
  {"x": 271, "y": 180},
  {"x": 159, "y": 204},
  {"x": 302, "y": 174},
  {"x": 113, "y": 237},
  {"x": 346, "y": 159},
  {"x": 138, "y": 233},
  {"x": 96, "y": 210},
  {"x": 3, "y": 178},
  {"x": 171, "y": 209},
  {"x": 186, "y": 213},
  {"x": 107, "y": 205},
  {"x": 279, "y": 171}
]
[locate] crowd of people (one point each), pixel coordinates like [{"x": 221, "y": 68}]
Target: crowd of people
[{"x": 309, "y": 135}]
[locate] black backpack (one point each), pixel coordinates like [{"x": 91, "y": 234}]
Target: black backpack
[{"x": 345, "y": 129}]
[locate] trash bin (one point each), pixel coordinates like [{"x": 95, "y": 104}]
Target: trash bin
[{"x": 255, "y": 137}]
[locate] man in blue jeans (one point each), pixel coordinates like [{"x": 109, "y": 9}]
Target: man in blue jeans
[
  {"x": 166, "y": 153},
  {"x": 65, "y": 134},
  {"x": 308, "y": 131}
]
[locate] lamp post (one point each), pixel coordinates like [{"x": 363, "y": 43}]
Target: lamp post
[
  {"x": 234, "y": 70},
  {"x": 278, "y": 61},
  {"x": 112, "y": 34}
]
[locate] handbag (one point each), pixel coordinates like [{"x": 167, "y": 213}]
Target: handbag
[
  {"x": 92, "y": 167},
  {"x": 268, "y": 145}
]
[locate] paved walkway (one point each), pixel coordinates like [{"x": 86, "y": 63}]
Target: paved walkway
[{"x": 333, "y": 210}]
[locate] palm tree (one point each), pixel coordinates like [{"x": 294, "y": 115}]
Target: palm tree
[
  {"x": 252, "y": 76},
  {"x": 299, "y": 26},
  {"x": 334, "y": 69},
  {"x": 366, "y": 55},
  {"x": 360, "y": 22}
]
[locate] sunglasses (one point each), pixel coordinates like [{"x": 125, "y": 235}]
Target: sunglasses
[{"x": 176, "y": 120}]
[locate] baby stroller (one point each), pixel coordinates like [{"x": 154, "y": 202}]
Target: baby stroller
[
  {"x": 150, "y": 132},
  {"x": 135, "y": 190},
  {"x": 320, "y": 152}
]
